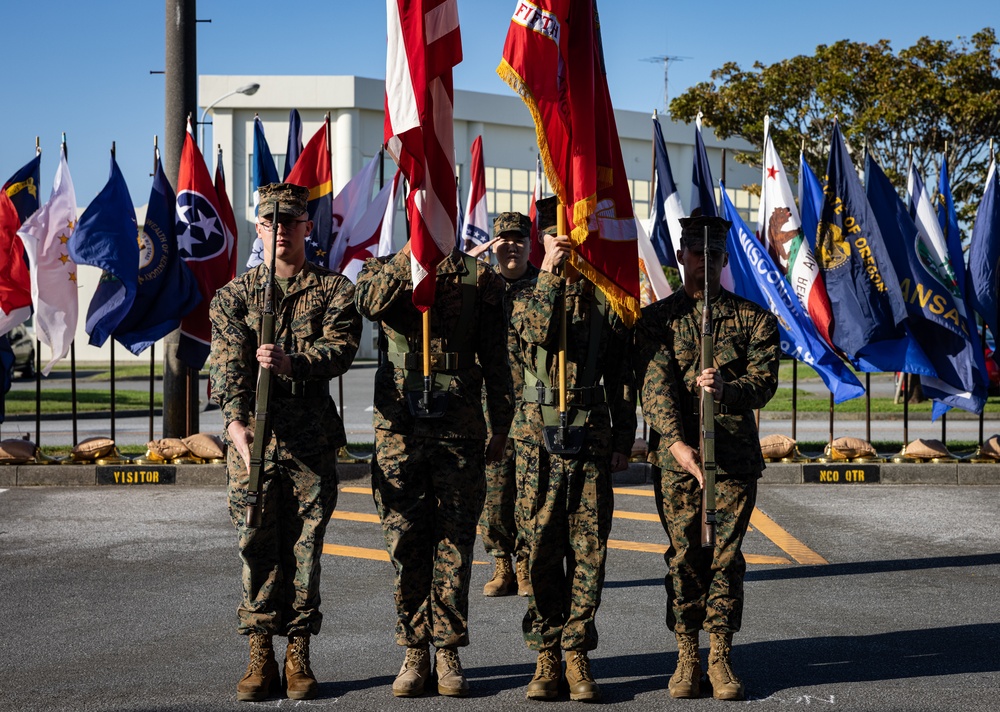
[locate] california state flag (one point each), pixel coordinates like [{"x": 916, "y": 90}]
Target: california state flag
[
  {"x": 780, "y": 229},
  {"x": 424, "y": 43}
]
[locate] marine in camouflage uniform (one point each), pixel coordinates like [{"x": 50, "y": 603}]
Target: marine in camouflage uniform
[
  {"x": 317, "y": 329},
  {"x": 567, "y": 499},
  {"x": 498, "y": 524},
  {"x": 428, "y": 473},
  {"x": 705, "y": 585}
]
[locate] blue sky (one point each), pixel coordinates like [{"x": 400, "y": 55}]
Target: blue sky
[{"x": 83, "y": 67}]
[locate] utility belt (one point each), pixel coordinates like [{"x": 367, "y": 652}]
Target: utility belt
[
  {"x": 576, "y": 397},
  {"x": 305, "y": 389},
  {"x": 448, "y": 361}
]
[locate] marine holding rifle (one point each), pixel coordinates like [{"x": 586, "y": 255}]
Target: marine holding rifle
[
  {"x": 705, "y": 583},
  {"x": 564, "y": 464},
  {"x": 428, "y": 473},
  {"x": 316, "y": 333}
]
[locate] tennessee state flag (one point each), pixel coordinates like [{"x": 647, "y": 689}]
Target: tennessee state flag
[
  {"x": 553, "y": 59},
  {"x": 313, "y": 171},
  {"x": 203, "y": 245}
]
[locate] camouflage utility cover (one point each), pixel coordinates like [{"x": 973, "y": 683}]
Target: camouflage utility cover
[
  {"x": 292, "y": 199},
  {"x": 512, "y": 222}
]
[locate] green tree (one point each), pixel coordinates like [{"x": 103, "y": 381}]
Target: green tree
[{"x": 934, "y": 94}]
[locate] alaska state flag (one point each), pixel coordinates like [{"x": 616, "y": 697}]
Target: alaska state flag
[
  {"x": 869, "y": 312},
  {"x": 757, "y": 278},
  {"x": 203, "y": 245},
  {"x": 984, "y": 256},
  {"x": 264, "y": 173},
  {"x": 937, "y": 318},
  {"x": 105, "y": 237},
  {"x": 665, "y": 225},
  {"x": 702, "y": 190},
  {"x": 294, "y": 148},
  {"x": 167, "y": 290}
]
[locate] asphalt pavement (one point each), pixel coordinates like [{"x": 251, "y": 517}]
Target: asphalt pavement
[{"x": 859, "y": 597}]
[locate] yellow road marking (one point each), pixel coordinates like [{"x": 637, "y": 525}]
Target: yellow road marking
[
  {"x": 641, "y": 516},
  {"x": 356, "y": 517},
  {"x": 631, "y": 490},
  {"x": 356, "y": 552},
  {"x": 357, "y": 490},
  {"x": 785, "y": 541}
]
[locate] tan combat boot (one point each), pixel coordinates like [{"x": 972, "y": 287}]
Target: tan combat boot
[
  {"x": 523, "y": 580},
  {"x": 502, "y": 583},
  {"x": 451, "y": 677},
  {"x": 300, "y": 683},
  {"x": 685, "y": 683},
  {"x": 725, "y": 684},
  {"x": 548, "y": 672},
  {"x": 582, "y": 686},
  {"x": 261, "y": 678},
  {"x": 413, "y": 674}
]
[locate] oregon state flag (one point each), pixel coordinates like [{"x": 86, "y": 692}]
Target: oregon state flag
[{"x": 553, "y": 59}]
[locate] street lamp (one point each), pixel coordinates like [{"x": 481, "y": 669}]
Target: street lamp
[{"x": 247, "y": 89}]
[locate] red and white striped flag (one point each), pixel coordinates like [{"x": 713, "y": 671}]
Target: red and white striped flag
[
  {"x": 424, "y": 43},
  {"x": 476, "y": 230}
]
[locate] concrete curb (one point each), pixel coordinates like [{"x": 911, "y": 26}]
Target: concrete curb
[{"x": 952, "y": 473}]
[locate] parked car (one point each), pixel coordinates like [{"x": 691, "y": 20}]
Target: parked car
[
  {"x": 993, "y": 372},
  {"x": 22, "y": 343}
]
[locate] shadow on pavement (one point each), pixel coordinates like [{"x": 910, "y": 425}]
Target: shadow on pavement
[{"x": 871, "y": 567}]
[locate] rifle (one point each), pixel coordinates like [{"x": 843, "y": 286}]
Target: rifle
[
  {"x": 707, "y": 412},
  {"x": 260, "y": 427}
]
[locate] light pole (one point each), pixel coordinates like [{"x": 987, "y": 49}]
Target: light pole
[{"x": 247, "y": 89}]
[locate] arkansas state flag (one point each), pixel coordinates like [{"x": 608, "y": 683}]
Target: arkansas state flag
[
  {"x": 313, "y": 171},
  {"x": 204, "y": 247},
  {"x": 424, "y": 43},
  {"x": 553, "y": 59}
]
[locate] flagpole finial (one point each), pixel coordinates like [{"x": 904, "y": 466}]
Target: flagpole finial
[
  {"x": 112, "y": 150},
  {"x": 38, "y": 145},
  {"x": 654, "y": 114}
]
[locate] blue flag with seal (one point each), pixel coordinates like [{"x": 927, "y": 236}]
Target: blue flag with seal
[
  {"x": 869, "y": 314},
  {"x": 167, "y": 290},
  {"x": 702, "y": 193},
  {"x": 667, "y": 210},
  {"x": 105, "y": 237},
  {"x": 810, "y": 201},
  {"x": 936, "y": 318},
  {"x": 757, "y": 278},
  {"x": 984, "y": 257}
]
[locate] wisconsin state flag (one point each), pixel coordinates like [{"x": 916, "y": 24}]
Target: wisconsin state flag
[{"x": 553, "y": 59}]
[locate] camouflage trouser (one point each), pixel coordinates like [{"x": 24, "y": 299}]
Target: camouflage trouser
[
  {"x": 704, "y": 585},
  {"x": 429, "y": 494},
  {"x": 281, "y": 557},
  {"x": 497, "y": 525},
  {"x": 567, "y": 508}
]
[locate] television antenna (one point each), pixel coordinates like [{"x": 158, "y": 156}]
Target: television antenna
[{"x": 666, "y": 60}]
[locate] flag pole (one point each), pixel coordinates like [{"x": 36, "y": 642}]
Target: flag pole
[
  {"x": 38, "y": 356},
  {"x": 152, "y": 347},
  {"x": 72, "y": 344}
]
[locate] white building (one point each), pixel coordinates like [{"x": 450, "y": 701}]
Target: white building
[{"x": 355, "y": 105}]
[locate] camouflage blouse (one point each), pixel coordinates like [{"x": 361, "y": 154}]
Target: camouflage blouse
[
  {"x": 317, "y": 325},
  {"x": 667, "y": 362}
]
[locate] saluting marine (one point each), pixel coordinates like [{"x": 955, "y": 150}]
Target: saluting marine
[
  {"x": 705, "y": 584},
  {"x": 317, "y": 329},
  {"x": 428, "y": 470}
]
